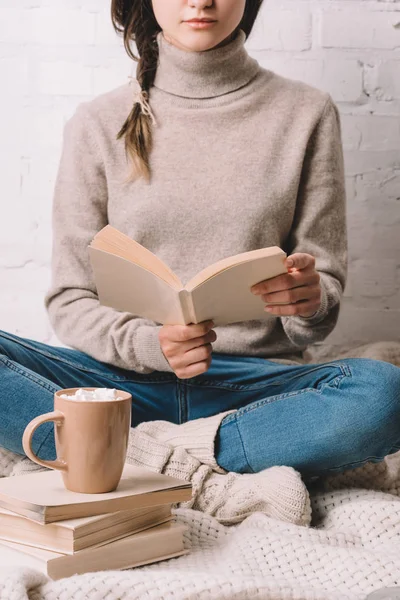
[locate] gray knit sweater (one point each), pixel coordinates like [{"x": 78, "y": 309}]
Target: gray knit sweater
[{"x": 243, "y": 158}]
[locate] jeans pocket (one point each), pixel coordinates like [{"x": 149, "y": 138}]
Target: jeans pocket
[{"x": 316, "y": 377}]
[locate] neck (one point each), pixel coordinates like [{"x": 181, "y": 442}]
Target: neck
[{"x": 207, "y": 74}]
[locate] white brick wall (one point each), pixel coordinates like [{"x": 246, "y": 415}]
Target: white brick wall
[{"x": 54, "y": 54}]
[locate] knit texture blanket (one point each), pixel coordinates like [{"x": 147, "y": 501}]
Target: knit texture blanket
[{"x": 351, "y": 549}]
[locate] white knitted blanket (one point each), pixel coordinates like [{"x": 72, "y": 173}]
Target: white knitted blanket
[{"x": 351, "y": 549}]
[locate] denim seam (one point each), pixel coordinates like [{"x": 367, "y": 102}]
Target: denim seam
[
  {"x": 33, "y": 377},
  {"x": 232, "y": 386},
  {"x": 354, "y": 464},
  {"x": 258, "y": 386},
  {"x": 77, "y": 365},
  {"x": 182, "y": 402},
  {"x": 256, "y": 404},
  {"x": 241, "y": 441},
  {"x": 50, "y": 432},
  {"x": 264, "y": 401},
  {"x": 279, "y": 397}
]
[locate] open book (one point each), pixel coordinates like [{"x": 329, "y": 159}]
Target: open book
[
  {"x": 130, "y": 278},
  {"x": 42, "y": 496}
]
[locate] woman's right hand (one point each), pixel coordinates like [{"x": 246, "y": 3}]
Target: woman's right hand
[{"x": 188, "y": 348}]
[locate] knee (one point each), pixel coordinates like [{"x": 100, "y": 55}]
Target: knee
[
  {"x": 376, "y": 377},
  {"x": 375, "y": 385}
]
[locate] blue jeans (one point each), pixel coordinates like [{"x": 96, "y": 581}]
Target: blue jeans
[{"x": 317, "y": 418}]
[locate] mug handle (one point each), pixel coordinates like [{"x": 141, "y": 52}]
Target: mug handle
[{"x": 56, "y": 416}]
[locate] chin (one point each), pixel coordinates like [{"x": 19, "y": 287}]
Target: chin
[{"x": 199, "y": 41}]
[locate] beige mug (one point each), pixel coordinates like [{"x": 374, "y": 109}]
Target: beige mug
[{"x": 91, "y": 439}]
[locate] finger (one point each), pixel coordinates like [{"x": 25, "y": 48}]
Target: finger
[
  {"x": 287, "y": 281},
  {"x": 209, "y": 338},
  {"x": 290, "y": 310},
  {"x": 182, "y": 333},
  {"x": 306, "y": 292},
  {"x": 192, "y": 370},
  {"x": 194, "y": 357},
  {"x": 199, "y": 354},
  {"x": 300, "y": 260}
]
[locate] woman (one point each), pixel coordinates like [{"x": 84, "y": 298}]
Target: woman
[{"x": 205, "y": 155}]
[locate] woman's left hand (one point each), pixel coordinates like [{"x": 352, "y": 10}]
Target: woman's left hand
[{"x": 300, "y": 286}]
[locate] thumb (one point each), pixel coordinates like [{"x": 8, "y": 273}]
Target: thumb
[{"x": 300, "y": 260}]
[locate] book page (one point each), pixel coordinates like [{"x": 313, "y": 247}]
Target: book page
[
  {"x": 226, "y": 297},
  {"x": 227, "y": 263},
  {"x": 111, "y": 240}
]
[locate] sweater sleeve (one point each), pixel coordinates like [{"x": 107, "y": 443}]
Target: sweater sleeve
[
  {"x": 319, "y": 226},
  {"x": 79, "y": 212}
]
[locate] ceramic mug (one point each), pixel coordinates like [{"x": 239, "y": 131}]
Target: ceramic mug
[{"x": 91, "y": 438}]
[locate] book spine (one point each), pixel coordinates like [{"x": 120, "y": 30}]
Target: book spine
[{"x": 186, "y": 301}]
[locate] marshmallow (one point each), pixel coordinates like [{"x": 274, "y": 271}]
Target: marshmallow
[{"x": 99, "y": 394}]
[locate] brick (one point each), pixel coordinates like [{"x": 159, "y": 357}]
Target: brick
[
  {"x": 9, "y": 32},
  {"x": 309, "y": 71},
  {"x": 29, "y": 277},
  {"x": 375, "y": 277},
  {"x": 383, "y": 80},
  {"x": 370, "y": 133},
  {"x": 357, "y": 162},
  {"x": 378, "y": 133},
  {"x": 366, "y": 238},
  {"x": 10, "y": 177},
  {"x": 342, "y": 78},
  {"x": 350, "y": 187},
  {"x": 111, "y": 75},
  {"x": 351, "y": 135},
  {"x": 282, "y": 30},
  {"x": 105, "y": 33},
  {"x": 15, "y": 251},
  {"x": 64, "y": 78},
  {"x": 359, "y": 325},
  {"x": 41, "y": 251},
  {"x": 14, "y": 75},
  {"x": 43, "y": 127},
  {"x": 37, "y": 189},
  {"x": 26, "y": 318},
  {"x": 360, "y": 29},
  {"x": 55, "y": 27},
  {"x": 11, "y": 138},
  {"x": 379, "y": 186}
]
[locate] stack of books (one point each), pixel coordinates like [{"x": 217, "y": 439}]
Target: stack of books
[{"x": 62, "y": 533}]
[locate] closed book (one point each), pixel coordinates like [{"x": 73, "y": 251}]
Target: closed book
[
  {"x": 130, "y": 278},
  {"x": 151, "y": 545},
  {"x": 72, "y": 535},
  {"x": 42, "y": 496}
]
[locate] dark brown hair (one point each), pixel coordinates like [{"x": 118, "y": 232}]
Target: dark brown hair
[{"x": 135, "y": 20}]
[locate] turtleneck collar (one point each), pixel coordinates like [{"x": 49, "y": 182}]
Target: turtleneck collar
[{"x": 204, "y": 74}]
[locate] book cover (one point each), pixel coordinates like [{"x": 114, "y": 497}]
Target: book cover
[
  {"x": 155, "y": 544},
  {"x": 42, "y": 496},
  {"x": 72, "y": 535}
]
